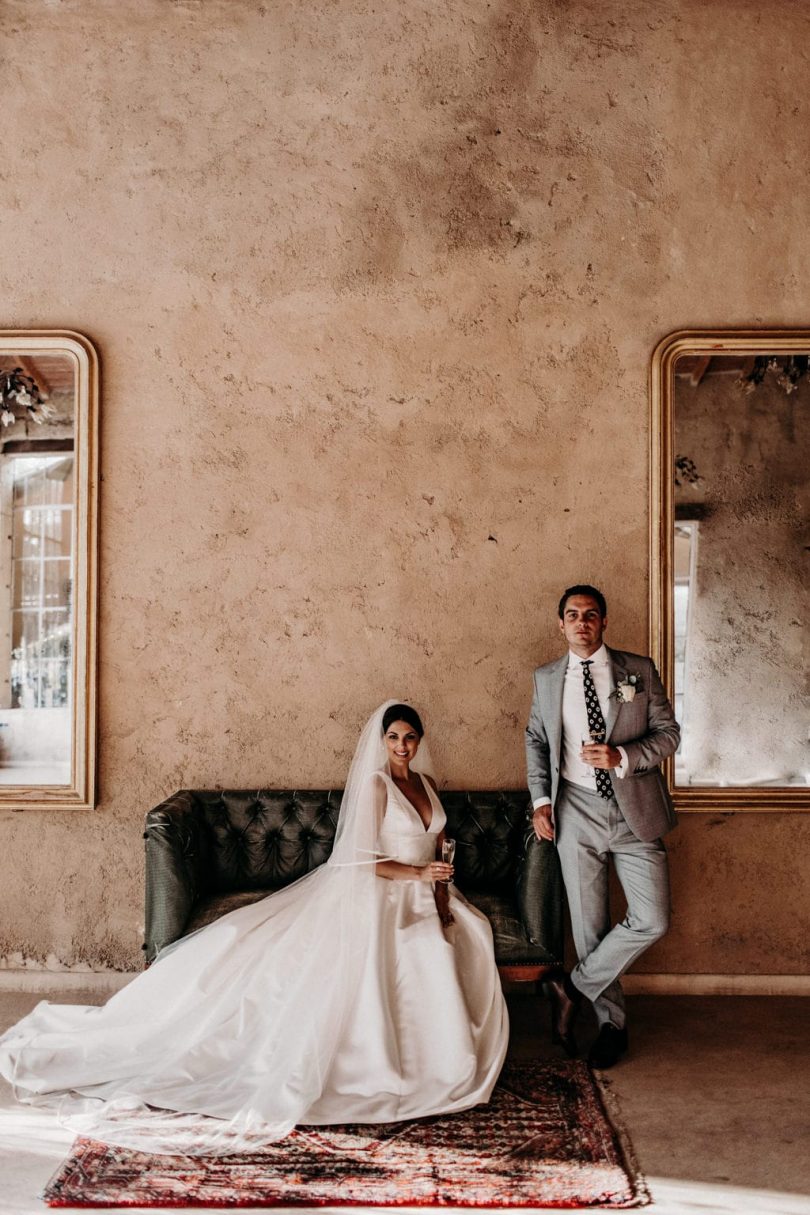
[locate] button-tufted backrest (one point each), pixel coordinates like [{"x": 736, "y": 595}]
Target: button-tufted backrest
[
  {"x": 265, "y": 839},
  {"x": 489, "y": 830}
]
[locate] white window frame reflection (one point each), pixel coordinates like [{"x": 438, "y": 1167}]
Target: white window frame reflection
[
  {"x": 683, "y": 583},
  {"x": 40, "y": 656}
]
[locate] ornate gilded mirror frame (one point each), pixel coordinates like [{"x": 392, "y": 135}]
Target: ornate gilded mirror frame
[
  {"x": 48, "y": 494},
  {"x": 743, "y": 357}
]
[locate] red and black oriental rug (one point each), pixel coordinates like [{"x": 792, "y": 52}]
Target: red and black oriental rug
[{"x": 544, "y": 1140}]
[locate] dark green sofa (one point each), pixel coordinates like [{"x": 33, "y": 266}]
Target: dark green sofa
[{"x": 210, "y": 851}]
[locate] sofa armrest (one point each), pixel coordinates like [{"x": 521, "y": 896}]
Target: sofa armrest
[
  {"x": 175, "y": 868},
  {"x": 540, "y": 894}
]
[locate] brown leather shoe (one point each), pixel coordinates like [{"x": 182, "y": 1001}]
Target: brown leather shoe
[
  {"x": 611, "y": 1043},
  {"x": 565, "y": 1002}
]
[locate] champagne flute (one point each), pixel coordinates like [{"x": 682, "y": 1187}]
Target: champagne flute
[
  {"x": 587, "y": 740},
  {"x": 448, "y": 852}
]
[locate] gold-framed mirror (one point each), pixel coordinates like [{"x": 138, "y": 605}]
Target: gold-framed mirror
[
  {"x": 48, "y": 500},
  {"x": 730, "y": 551}
]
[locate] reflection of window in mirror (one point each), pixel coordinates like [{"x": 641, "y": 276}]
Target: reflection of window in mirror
[
  {"x": 685, "y": 561},
  {"x": 36, "y": 569},
  {"x": 48, "y": 489}
]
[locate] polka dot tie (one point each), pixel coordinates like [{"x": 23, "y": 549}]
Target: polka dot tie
[{"x": 596, "y": 726}]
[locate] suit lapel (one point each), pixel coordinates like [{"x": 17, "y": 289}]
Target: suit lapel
[
  {"x": 556, "y": 683},
  {"x": 617, "y": 674}
]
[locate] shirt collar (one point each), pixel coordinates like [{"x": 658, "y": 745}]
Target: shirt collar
[{"x": 599, "y": 658}]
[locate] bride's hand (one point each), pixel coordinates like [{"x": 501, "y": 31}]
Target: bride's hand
[
  {"x": 441, "y": 894},
  {"x": 436, "y": 871}
]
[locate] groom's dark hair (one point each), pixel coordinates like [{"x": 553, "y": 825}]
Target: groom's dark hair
[
  {"x": 584, "y": 589},
  {"x": 402, "y": 713}
]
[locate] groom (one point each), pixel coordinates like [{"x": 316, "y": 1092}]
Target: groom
[{"x": 599, "y": 726}]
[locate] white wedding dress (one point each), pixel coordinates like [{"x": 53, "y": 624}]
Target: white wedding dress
[
  {"x": 339, "y": 999},
  {"x": 429, "y": 1028}
]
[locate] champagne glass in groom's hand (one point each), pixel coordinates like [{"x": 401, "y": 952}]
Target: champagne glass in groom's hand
[{"x": 588, "y": 740}]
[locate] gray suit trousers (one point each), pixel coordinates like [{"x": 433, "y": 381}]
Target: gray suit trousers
[{"x": 590, "y": 830}]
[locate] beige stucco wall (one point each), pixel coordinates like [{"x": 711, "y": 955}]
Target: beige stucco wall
[{"x": 375, "y": 289}]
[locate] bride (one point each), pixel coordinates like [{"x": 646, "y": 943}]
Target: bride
[{"x": 365, "y": 992}]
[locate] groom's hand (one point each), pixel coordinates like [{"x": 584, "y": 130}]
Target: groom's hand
[
  {"x": 601, "y": 755},
  {"x": 541, "y": 821}
]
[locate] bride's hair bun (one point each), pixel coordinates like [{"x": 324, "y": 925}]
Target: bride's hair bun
[{"x": 402, "y": 713}]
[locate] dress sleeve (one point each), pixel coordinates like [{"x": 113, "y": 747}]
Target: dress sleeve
[{"x": 379, "y": 801}]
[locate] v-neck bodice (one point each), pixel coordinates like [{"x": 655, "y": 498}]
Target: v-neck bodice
[
  {"x": 426, "y": 786},
  {"x": 403, "y": 835}
]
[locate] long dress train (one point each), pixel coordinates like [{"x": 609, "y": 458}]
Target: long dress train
[{"x": 339, "y": 999}]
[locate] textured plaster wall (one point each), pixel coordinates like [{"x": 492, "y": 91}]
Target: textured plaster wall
[
  {"x": 375, "y": 287},
  {"x": 747, "y": 647}
]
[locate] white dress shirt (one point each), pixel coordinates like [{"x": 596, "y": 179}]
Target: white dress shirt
[{"x": 575, "y": 720}]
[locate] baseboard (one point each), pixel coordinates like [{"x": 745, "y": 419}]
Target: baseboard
[
  {"x": 101, "y": 982},
  {"x": 106, "y": 982},
  {"x": 716, "y": 985}
]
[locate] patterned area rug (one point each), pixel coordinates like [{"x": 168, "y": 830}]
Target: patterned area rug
[{"x": 544, "y": 1140}]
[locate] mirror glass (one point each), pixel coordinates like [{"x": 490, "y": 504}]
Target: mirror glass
[
  {"x": 46, "y": 569},
  {"x": 739, "y": 586}
]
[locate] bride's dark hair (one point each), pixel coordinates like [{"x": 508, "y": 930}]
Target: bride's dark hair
[{"x": 402, "y": 713}]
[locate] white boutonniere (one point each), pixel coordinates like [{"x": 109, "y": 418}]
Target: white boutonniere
[{"x": 627, "y": 688}]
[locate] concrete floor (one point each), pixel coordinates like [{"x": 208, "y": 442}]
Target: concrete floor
[{"x": 715, "y": 1096}]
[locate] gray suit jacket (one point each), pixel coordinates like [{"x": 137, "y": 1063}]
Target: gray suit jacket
[{"x": 645, "y": 727}]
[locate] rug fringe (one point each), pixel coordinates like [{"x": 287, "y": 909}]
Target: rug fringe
[{"x": 613, "y": 1112}]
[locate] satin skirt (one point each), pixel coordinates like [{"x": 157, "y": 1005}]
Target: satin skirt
[{"x": 429, "y": 1030}]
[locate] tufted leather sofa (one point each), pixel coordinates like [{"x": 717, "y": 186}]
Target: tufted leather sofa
[{"x": 208, "y": 852}]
